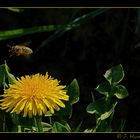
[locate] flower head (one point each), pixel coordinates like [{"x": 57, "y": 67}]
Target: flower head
[{"x": 34, "y": 95}]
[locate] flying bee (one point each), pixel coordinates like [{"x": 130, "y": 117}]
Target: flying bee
[{"x": 20, "y": 50}]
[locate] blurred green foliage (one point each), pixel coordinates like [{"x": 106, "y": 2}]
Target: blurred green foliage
[{"x": 78, "y": 43}]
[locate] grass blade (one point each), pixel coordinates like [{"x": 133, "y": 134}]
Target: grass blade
[{"x": 75, "y": 23}]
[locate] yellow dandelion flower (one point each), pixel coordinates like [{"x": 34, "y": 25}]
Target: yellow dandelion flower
[{"x": 34, "y": 95}]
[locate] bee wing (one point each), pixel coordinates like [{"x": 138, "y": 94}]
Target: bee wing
[{"x": 27, "y": 43}]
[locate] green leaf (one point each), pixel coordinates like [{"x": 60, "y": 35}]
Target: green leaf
[
  {"x": 96, "y": 107},
  {"x": 9, "y": 34},
  {"x": 103, "y": 88},
  {"x": 77, "y": 129},
  {"x": 66, "y": 125},
  {"x": 74, "y": 93},
  {"x": 58, "y": 127},
  {"x": 108, "y": 113},
  {"x": 67, "y": 111},
  {"x": 84, "y": 18},
  {"x": 10, "y": 76},
  {"x": 121, "y": 92},
  {"x": 89, "y": 130},
  {"x": 4, "y": 74},
  {"x": 46, "y": 127},
  {"x": 115, "y": 74}
]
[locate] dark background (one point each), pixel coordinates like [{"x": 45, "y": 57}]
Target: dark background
[{"x": 84, "y": 53}]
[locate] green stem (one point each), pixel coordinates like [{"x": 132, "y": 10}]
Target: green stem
[
  {"x": 50, "y": 119},
  {"x": 97, "y": 125},
  {"x": 4, "y": 123},
  {"x": 38, "y": 123}
]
